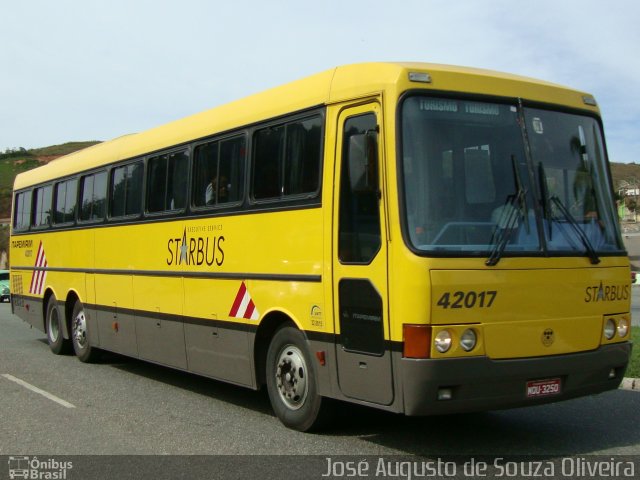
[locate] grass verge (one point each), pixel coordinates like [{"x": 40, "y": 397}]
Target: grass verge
[{"x": 633, "y": 371}]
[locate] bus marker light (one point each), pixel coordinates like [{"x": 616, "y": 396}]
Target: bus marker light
[
  {"x": 417, "y": 341},
  {"x": 419, "y": 77},
  {"x": 612, "y": 373},
  {"x": 115, "y": 326},
  {"x": 320, "y": 355}
]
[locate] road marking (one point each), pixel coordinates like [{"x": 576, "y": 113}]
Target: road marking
[{"x": 35, "y": 389}]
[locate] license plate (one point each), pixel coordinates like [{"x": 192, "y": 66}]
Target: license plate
[{"x": 543, "y": 388}]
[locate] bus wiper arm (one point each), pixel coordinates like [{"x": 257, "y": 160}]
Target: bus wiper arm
[
  {"x": 506, "y": 224},
  {"x": 546, "y": 203},
  {"x": 574, "y": 224},
  {"x": 509, "y": 217},
  {"x": 520, "y": 192}
]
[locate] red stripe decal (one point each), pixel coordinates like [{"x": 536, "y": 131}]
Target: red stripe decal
[
  {"x": 250, "y": 308},
  {"x": 238, "y": 300}
]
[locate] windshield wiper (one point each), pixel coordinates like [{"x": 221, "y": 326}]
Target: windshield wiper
[
  {"x": 505, "y": 226},
  {"x": 591, "y": 252},
  {"x": 509, "y": 218},
  {"x": 546, "y": 203}
]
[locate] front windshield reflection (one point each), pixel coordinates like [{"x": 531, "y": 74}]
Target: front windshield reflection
[
  {"x": 470, "y": 188},
  {"x": 568, "y": 151},
  {"x": 465, "y": 174}
]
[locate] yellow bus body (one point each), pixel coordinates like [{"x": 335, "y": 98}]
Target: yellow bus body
[{"x": 162, "y": 287}]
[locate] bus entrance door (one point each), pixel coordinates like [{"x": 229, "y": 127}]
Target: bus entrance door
[{"x": 360, "y": 260}]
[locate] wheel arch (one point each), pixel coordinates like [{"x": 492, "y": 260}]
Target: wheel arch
[{"x": 270, "y": 323}]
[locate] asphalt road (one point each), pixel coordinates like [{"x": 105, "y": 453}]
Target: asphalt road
[{"x": 124, "y": 406}]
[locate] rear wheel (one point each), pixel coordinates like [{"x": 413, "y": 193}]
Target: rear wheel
[
  {"x": 292, "y": 382},
  {"x": 80, "y": 335},
  {"x": 55, "y": 328}
]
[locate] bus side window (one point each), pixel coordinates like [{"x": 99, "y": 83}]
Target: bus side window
[
  {"x": 65, "y": 201},
  {"x": 286, "y": 160},
  {"x": 22, "y": 216},
  {"x": 302, "y": 160},
  {"x": 42, "y": 202},
  {"x": 177, "y": 180},
  {"x": 126, "y": 190},
  {"x": 231, "y": 170},
  {"x": 167, "y": 182},
  {"x": 219, "y": 172},
  {"x": 205, "y": 174},
  {"x": 94, "y": 197},
  {"x": 267, "y": 164}
]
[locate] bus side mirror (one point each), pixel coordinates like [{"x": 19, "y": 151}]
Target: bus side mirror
[{"x": 363, "y": 162}]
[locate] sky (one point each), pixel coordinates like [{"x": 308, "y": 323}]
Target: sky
[{"x": 75, "y": 70}]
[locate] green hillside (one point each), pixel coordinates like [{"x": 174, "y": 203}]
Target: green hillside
[
  {"x": 64, "y": 149},
  {"x": 13, "y": 162},
  {"x": 628, "y": 172}
]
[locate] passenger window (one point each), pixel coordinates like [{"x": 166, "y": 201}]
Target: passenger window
[
  {"x": 167, "y": 182},
  {"x": 42, "y": 204},
  {"x": 219, "y": 172},
  {"x": 287, "y": 159},
  {"x": 268, "y": 146},
  {"x": 22, "y": 217},
  {"x": 126, "y": 190},
  {"x": 66, "y": 198},
  {"x": 94, "y": 197}
]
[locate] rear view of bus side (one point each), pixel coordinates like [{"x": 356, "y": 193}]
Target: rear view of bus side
[{"x": 419, "y": 238}]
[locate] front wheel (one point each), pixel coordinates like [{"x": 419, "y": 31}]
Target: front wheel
[
  {"x": 80, "y": 335},
  {"x": 292, "y": 383}
]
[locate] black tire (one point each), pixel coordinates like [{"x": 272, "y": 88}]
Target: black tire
[
  {"x": 55, "y": 328},
  {"x": 80, "y": 335},
  {"x": 292, "y": 382}
]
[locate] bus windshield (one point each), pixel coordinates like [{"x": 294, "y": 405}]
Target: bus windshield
[{"x": 472, "y": 188}]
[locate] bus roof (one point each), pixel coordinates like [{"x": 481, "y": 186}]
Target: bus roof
[{"x": 335, "y": 85}]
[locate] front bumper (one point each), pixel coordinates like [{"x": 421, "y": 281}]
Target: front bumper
[{"x": 480, "y": 383}]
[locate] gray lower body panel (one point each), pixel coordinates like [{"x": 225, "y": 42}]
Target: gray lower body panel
[
  {"x": 29, "y": 309},
  {"x": 479, "y": 383},
  {"x": 221, "y": 353}
]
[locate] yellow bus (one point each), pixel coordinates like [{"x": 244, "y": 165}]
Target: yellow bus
[{"x": 419, "y": 238}]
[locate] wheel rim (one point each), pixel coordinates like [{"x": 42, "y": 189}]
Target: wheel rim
[
  {"x": 80, "y": 329},
  {"x": 291, "y": 377},
  {"x": 54, "y": 326}
]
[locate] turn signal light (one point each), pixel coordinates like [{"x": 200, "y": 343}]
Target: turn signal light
[{"x": 417, "y": 341}]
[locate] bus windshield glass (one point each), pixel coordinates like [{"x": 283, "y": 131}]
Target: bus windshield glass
[{"x": 471, "y": 188}]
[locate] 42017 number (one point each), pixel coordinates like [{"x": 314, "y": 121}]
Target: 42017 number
[{"x": 470, "y": 299}]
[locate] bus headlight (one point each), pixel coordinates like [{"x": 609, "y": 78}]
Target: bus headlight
[
  {"x": 609, "y": 329},
  {"x": 468, "y": 340},
  {"x": 623, "y": 327},
  {"x": 443, "y": 341}
]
